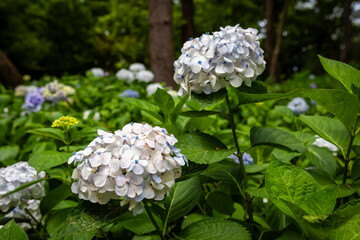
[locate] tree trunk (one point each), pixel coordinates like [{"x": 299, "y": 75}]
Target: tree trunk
[
  {"x": 269, "y": 45},
  {"x": 161, "y": 41},
  {"x": 348, "y": 34},
  {"x": 187, "y": 30},
  {"x": 275, "y": 54},
  {"x": 9, "y": 75}
]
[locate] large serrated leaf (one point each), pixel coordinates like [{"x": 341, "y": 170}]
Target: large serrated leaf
[
  {"x": 215, "y": 229},
  {"x": 342, "y": 104},
  {"x": 322, "y": 159},
  {"x": 12, "y": 231},
  {"x": 145, "y": 106},
  {"x": 164, "y": 100},
  {"x": 139, "y": 224},
  {"x": 330, "y": 129},
  {"x": 183, "y": 198},
  {"x": 49, "y": 132},
  {"x": 344, "y": 73},
  {"x": 276, "y": 138},
  {"x": 203, "y": 148},
  {"x": 48, "y": 159}
]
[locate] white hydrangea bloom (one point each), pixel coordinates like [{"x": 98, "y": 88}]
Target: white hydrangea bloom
[
  {"x": 137, "y": 162},
  {"x": 145, "y": 76},
  {"x": 87, "y": 113},
  {"x": 136, "y": 67},
  {"x": 33, "y": 206},
  {"x": 320, "y": 142},
  {"x": 210, "y": 62},
  {"x": 126, "y": 75},
  {"x": 298, "y": 105},
  {"x": 15, "y": 176},
  {"x": 98, "y": 72},
  {"x": 22, "y": 90},
  {"x": 151, "y": 88}
]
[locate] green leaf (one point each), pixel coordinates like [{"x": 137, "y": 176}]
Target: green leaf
[
  {"x": 139, "y": 224},
  {"x": 257, "y": 192},
  {"x": 254, "y": 168},
  {"x": 83, "y": 221},
  {"x": 330, "y": 129},
  {"x": 200, "y": 101},
  {"x": 12, "y": 231},
  {"x": 183, "y": 198},
  {"x": 203, "y": 148},
  {"x": 86, "y": 132},
  {"x": 5, "y": 99},
  {"x": 340, "y": 103},
  {"x": 355, "y": 171},
  {"x": 275, "y": 138},
  {"x": 9, "y": 152},
  {"x": 245, "y": 98},
  {"x": 351, "y": 230},
  {"x": 192, "y": 218},
  {"x": 287, "y": 183},
  {"x": 202, "y": 113},
  {"x": 344, "y": 73},
  {"x": 322, "y": 159},
  {"x": 214, "y": 229},
  {"x": 54, "y": 197},
  {"x": 284, "y": 155},
  {"x": 164, "y": 100},
  {"x": 48, "y": 159},
  {"x": 221, "y": 202},
  {"x": 49, "y": 132},
  {"x": 145, "y": 106}
]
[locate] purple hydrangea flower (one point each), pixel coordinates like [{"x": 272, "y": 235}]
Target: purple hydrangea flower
[
  {"x": 313, "y": 85},
  {"x": 130, "y": 93},
  {"x": 246, "y": 158},
  {"x": 34, "y": 101}
]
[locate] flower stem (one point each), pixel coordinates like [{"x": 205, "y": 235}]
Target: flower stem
[
  {"x": 242, "y": 165},
  {"x": 153, "y": 221}
]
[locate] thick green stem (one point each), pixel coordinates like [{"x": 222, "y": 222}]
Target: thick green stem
[
  {"x": 153, "y": 221},
  {"x": 242, "y": 165}
]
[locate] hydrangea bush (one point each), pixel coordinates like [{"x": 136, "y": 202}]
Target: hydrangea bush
[{"x": 232, "y": 162}]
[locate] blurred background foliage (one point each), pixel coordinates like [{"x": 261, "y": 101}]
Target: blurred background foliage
[{"x": 59, "y": 37}]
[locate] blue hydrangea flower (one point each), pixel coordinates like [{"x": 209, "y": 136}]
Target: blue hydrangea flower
[
  {"x": 130, "y": 93},
  {"x": 34, "y": 101},
  {"x": 313, "y": 85},
  {"x": 246, "y": 158},
  {"x": 298, "y": 105}
]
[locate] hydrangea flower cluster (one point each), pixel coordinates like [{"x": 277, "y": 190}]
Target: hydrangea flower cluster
[
  {"x": 13, "y": 177},
  {"x": 33, "y": 206},
  {"x": 56, "y": 92},
  {"x": 130, "y": 93},
  {"x": 98, "y": 72},
  {"x": 33, "y": 101},
  {"x": 210, "y": 62},
  {"x": 320, "y": 142},
  {"x": 298, "y": 105},
  {"x": 246, "y": 158},
  {"x": 139, "y": 161},
  {"x": 22, "y": 90},
  {"x": 136, "y": 71},
  {"x": 151, "y": 88},
  {"x": 65, "y": 122}
]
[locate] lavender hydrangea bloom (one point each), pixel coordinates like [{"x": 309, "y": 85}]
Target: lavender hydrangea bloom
[
  {"x": 298, "y": 105},
  {"x": 130, "y": 93},
  {"x": 34, "y": 101},
  {"x": 246, "y": 158}
]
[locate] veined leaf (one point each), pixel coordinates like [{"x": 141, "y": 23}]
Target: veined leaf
[
  {"x": 276, "y": 138},
  {"x": 48, "y": 159},
  {"x": 139, "y": 224},
  {"x": 322, "y": 159},
  {"x": 203, "y": 148},
  {"x": 145, "y": 106},
  {"x": 54, "y": 197},
  {"x": 330, "y": 129},
  {"x": 49, "y": 132},
  {"x": 213, "y": 229},
  {"x": 344, "y": 73},
  {"x": 342, "y": 104},
  {"x": 245, "y": 98},
  {"x": 221, "y": 202},
  {"x": 164, "y": 100},
  {"x": 183, "y": 198},
  {"x": 12, "y": 231}
]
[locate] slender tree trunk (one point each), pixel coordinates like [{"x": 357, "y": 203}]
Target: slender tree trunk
[
  {"x": 161, "y": 41},
  {"x": 269, "y": 45},
  {"x": 275, "y": 55},
  {"x": 9, "y": 75},
  {"x": 348, "y": 34},
  {"x": 187, "y": 30}
]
